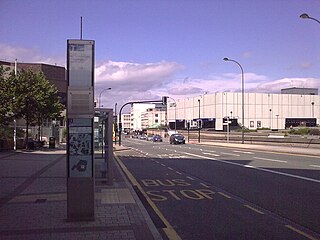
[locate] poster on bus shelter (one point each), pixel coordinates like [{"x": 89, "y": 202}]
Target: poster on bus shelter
[{"x": 80, "y": 148}]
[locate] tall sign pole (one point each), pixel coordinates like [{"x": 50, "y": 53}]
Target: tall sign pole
[{"x": 80, "y": 114}]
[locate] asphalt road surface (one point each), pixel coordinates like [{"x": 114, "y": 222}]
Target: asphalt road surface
[{"x": 210, "y": 192}]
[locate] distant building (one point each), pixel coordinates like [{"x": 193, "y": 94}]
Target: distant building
[
  {"x": 262, "y": 110},
  {"x": 136, "y": 111},
  {"x": 153, "y": 118},
  {"x": 56, "y": 75},
  {"x": 301, "y": 91},
  {"x": 126, "y": 122}
]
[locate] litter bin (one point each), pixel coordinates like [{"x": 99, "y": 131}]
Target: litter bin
[{"x": 52, "y": 142}]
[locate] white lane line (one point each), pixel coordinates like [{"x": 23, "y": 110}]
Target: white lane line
[
  {"x": 254, "y": 209},
  {"x": 271, "y": 160},
  {"x": 211, "y": 154},
  {"x": 179, "y": 173},
  {"x": 317, "y": 166},
  {"x": 231, "y": 154},
  {"x": 204, "y": 185},
  {"x": 257, "y": 168},
  {"x": 170, "y": 168},
  {"x": 243, "y": 152},
  {"x": 190, "y": 178},
  {"x": 200, "y": 156},
  {"x": 163, "y": 165}
]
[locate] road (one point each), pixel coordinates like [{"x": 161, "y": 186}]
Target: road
[{"x": 212, "y": 192}]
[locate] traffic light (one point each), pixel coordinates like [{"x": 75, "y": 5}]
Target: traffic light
[{"x": 164, "y": 100}]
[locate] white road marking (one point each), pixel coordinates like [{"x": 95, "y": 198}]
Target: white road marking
[
  {"x": 317, "y": 166},
  {"x": 244, "y": 152},
  {"x": 257, "y": 168},
  {"x": 231, "y": 154},
  {"x": 179, "y": 173},
  {"x": 190, "y": 178},
  {"x": 211, "y": 154},
  {"x": 170, "y": 168},
  {"x": 271, "y": 160}
]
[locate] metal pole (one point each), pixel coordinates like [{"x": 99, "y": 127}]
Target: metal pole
[
  {"x": 14, "y": 120},
  {"x": 81, "y": 28},
  {"x": 199, "y": 122},
  {"x": 115, "y": 124},
  {"x": 242, "y": 92},
  {"x": 175, "y": 114},
  {"x": 100, "y": 95},
  {"x": 228, "y": 129}
]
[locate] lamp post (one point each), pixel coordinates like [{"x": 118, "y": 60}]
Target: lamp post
[
  {"x": 115, "y": 123},
  {"x": 242, "y": 92},
  {"x": 199, "y": 122},
  {"x": 175, "y": 114},
  {"x": 101, "y": 93},
  {"x": 270, "y": 110},
  {"x": 306, "y": 16}
]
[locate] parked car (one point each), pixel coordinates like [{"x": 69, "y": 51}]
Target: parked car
[
  {"x": 143, "y": 137},
  {"x": 150, "y": 137},
  {"x": 177, "y": 139},
  {"x": 157, "y": 138}
]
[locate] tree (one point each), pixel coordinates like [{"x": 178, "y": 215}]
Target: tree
[
  {"x": 6, "y": 97},
  {"x": 35, "y": 98},
  {"x": 48, "y": 104}
]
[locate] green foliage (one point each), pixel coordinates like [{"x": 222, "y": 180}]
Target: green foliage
[
  {"x": 300, "y": 131},
  {"x": 28, "y": 95},
  {"x": 6, "y": 132},
  {"x": 263, "y": 128},
  {"x": 6, "y": 97}
]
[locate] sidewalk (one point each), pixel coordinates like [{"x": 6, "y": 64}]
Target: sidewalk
[{"x": 33, "y": 202}]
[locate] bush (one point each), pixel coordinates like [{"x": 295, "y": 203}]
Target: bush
[
  {"x": 300, "y": 131},
  {"x": 314, "y": 131}
]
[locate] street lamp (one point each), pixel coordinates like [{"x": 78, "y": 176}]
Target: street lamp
[
  {"x": 175, "y": 114},
  {"x": 199, "y": 123},
  {"x": 242, "y": 91},
  {"x": 101, "y": 93},
  {"x": 306, "y": 16}
]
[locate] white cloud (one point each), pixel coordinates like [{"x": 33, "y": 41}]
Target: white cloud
[
  {"x": 136, "y": 74},
  {"x": 27, "y": 55}
]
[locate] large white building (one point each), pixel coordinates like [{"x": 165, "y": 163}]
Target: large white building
[
  {"x": 136, "y": 111},
  {"x": 261, "y": 110}
]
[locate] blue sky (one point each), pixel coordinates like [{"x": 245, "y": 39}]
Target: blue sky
[{"x": 148, "y": 48}]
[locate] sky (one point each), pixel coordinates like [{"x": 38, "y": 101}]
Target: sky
[{"x": 145, "y": 49}]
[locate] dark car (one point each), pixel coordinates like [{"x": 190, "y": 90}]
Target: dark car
[
  {"x": 177, "y": 139},
  {"x": 157, "y": 138}
]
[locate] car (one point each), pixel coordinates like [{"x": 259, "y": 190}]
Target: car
[
  {"x": 150, "y": 137},
  {"x": 157, "y": 138},
  {"x": 143, "y": 137},
  {"x": 177, "y": 139}
]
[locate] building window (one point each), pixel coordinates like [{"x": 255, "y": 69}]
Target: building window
[
  {"x": 258, "y": 124},
  {"x": 156, "y": 115},
  {"x": 251, "y": 123},
  {"x": 156, "y": 121}
]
